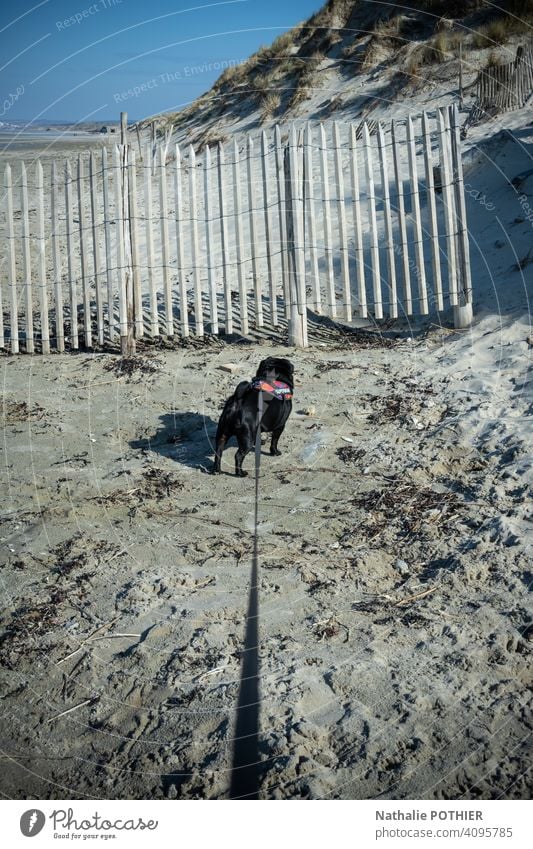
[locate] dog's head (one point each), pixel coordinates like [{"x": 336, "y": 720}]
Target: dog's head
[{"x": 276, "y": 368}]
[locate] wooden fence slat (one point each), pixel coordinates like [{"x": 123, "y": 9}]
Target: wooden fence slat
[
  {"x": 58, "y": 289},
  {"x": 165, "y": 248},
  {"x": 134, "y": 236},
  {"x": 356, "y": 205},
  {"x": 195, "y": 253},
  {"x": 402, "y": 222},
  {"x": 149, "y": 234},
  {"x": 96, "y": 249},
  {"x": 432, "y": 207},
  {"x": 209, "y": 243},
  {"x": 460, "y": 209},
  {"x": 224, "y": 237},
  {"x": 12, "y": 273},
  {"x": 328, "y": 247},
  {"x": 71, "y": 273},
  {"x": 343, "y": 233},
  {"x": 449, "y": 206},
  {"x": 297, "y": 321},
  {"x": 120, "y": 247},
  {"x": 389, "y": 237},
  {"x": 239, "y": 238},
  {"x": 268, "y": 230},
  {"x": 284, "y": 261},
  {"x": 41, "y": 261},
  {"x": 253, "y": 233},
  {"x": 178, "y": 215},
  {"x": 310, "y": 216},
  {"x": 26, "y": 259},
  {"x": 85, "y": 282},
  {"x": 416, "y": 219},
  {"x": 297, "y": 200},
  {"x": 374, "y": 245},
  {"x": 110, "y": 270},
  {"x": 127, "y": 341}
]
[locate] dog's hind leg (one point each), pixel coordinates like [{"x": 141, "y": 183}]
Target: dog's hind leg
[
  {"x": 239, "y": 457},
  {"x": 274, "y": 441},
  {"x": 219, "y": 448}
]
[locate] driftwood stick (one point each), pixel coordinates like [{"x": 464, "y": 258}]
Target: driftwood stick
[
  {"x": 114, "y": 637},
  {"x": 414, "y": 597},
  {"x": 70, "y": 710},
  {"x": 88, "y": 638},
  {"x": 101, "y": 383}
]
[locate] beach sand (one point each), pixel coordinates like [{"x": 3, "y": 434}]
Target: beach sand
[{"x": 394, "y": 573}]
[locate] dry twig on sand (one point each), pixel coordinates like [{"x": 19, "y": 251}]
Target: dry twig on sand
[
  {"x": 414, "y": 597},
  {"x": 88, "y": 639}
]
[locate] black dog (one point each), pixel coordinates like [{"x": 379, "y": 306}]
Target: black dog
[{"x": 240, "y": 416}]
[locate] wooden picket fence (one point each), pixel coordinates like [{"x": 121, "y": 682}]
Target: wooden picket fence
[
  {"x": 332, "y": 220},
  {"x": 504, "y": 87}
]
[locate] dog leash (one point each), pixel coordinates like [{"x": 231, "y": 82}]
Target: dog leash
[{"x": 257, "y": 468}]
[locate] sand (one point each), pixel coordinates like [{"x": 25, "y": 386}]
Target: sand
[{"x": 393, "y": 575}]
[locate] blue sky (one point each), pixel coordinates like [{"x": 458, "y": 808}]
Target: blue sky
[{"x": 81, "y": 60}]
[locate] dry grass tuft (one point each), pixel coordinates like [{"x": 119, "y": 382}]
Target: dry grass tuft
[{"x": 269, "y": 106}]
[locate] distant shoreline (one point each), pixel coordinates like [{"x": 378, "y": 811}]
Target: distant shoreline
[{"x": 51, "y": 144}]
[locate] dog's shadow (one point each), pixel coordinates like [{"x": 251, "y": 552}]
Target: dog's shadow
[{"x": 188, "y": 438}]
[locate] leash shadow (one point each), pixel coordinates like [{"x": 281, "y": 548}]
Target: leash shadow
[{"x": 245, "y": 762}]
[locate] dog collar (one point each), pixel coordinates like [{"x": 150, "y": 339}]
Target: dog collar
[{"x": 277, "y": 389}]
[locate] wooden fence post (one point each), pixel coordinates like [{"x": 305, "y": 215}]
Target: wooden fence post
[
  {"x": 239, "y": 238},
  {"x": 134, "y": 238},
  {"x": 416, "y": 219},
  {"x": 374, "y": 239},
  {"x": 297, "y": 320},
  {"x": 12, "y": 273},
  {"x": 393, "y": 305},
  {"x": 165, "y": 250},
  {"x": 26, "y": 256},
  {"x": 108, "y": 246},
  {"x": 324, "y": 173},
  {"x": 72, "y": 280},
  {"x": 447, "y": 199},
  {"x": 311, "y": 227},
  {"x": 343, "y": 234},
  {"x": 195, "y": 252},
  {"x": 96, "y": 249},
  {"x": 178, "y": 215},
  {"x": 432, "y": 208},
  {"x": 83, "y": 254},
  {"x": 209, "y": 244},
  {"x": 280, "y": 175},
  {"x": 41, "y": 238},
  {"x": 148, "y": 221},
  {"x": 58, "y": 291},
  {"x": 228, "y": 308},
  {"x": 356, "y": 203},
  {"x": 462, "y": 313},
  {"x": 268, "y": 230},
  {"x": 258, "y": 295},
  {"x": 123, "y": 128}
]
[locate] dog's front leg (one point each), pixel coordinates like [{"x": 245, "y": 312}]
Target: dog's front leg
[{"x": 274, "y": 441}]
